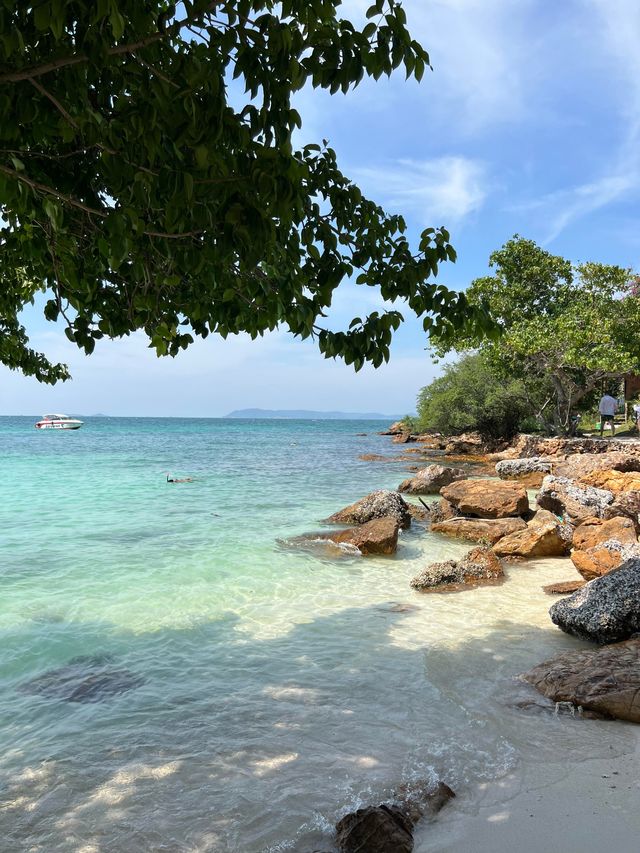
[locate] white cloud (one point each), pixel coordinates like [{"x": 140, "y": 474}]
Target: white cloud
[{"x": 443, "y": 189}]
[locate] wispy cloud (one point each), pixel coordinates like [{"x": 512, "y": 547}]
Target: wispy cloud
[{"x": 443, "y": 189}]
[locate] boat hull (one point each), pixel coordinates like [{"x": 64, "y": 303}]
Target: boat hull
[{"x": 58, "y": 424}]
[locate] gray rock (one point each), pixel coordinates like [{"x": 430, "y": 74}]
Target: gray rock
[
  {"x": 606, "y": 610},
  {"x": 563, "y": 496},
  {"x": 378, "y": 504},
  {"x": 429, "y": 480},
  {"x": 477, "y": 566},
  {"x": 513, "y": 468}
]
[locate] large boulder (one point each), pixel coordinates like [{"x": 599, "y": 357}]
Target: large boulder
[
  {"x": 626, "y": 504},
  {"x": 606, "y": 610},
  {"x": 379, "y": 504},
  {"x": 379, "y": 536},
  {"x": 614, "y": 481},
  {"x": 480, "y": 564},
  {"x": 605, "y": 681},
  {"x": 396, "y": 428},
  {"x": 580, "y": 465},
  {"x": 564, "y": 497},
  {"x": 487, "y": 498},
  {"x": 594, "y": 531},
  {"x": 529, "y": 471},
  {"x": 603, "y": 558},
  {"x": 429, "y": 480},
  {"x": 544, "y": 536},
  {"x": 479, "y": 529}
]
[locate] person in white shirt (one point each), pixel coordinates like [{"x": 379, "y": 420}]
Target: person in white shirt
[{"x": 608, "y": 407}]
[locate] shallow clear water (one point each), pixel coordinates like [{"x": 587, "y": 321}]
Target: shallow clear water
[{"x": 271, "y": 687}]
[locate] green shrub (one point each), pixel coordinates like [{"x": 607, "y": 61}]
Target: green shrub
[{"x": 470, "y": 396}]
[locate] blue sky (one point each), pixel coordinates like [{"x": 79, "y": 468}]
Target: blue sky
[{"x": 529, "y": 123}]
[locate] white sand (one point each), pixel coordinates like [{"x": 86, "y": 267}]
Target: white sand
[{"x": 590, "y": 806}]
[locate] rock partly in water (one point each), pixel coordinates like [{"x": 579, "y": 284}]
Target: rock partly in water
[
  {"x": 543, "y": 537},
  {"x": 379, "y": 536},
  {"x": 429, "y": 480},
  {"x": 563, "y": 587},
  {"x": 479, "y": 565},
  {"x": 84, "y": 679},
  {"x": 529, "y": 471},
  {"x": 388, "y": 828},
  {"x": 375, "y": 829},
  {"x": 594, "y": 531},
  {"x": 605, "y": 681},
  {"x": 379, "y": 504},
  {"x": 606, "y": 610},
  {"x": 565, "y": 497},
  {"x": 442, "y": 511},
  {"x": 479, "y": 529},
  {"x": 603, "y": 558}
]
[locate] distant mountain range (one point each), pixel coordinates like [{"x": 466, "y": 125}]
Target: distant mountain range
[{"x": 304, "y": 414}]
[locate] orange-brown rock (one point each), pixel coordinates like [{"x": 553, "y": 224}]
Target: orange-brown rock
[
  {"x": 580, "y": 465},
  {"x": 541, "y": 539},
  {"x": 627, "y": 504},
  {"x": 604, "y": 680},
  {"x": 378, "y": 504},
  {"x": 375, "y": 537},
  {"x": 563, "y": 587},
  {"x": 596, "y": 562},
  {"x": 479, "y": 529},
  {"x": 487, "y": 498},
  {"x": 594, "y": 531},
  {"x": 614, "y": 481}
]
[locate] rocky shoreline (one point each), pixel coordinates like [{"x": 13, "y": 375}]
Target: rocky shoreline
[{"x": 586, "y": 506}]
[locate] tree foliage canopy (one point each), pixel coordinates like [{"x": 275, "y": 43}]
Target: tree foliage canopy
[
  {"x": 470, "y": 396},
  {"x": 571, "y": 325},
  {"x": 141, "y": 190}
]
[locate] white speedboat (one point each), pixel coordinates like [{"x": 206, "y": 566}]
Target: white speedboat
[{"x": 58, "y": 422}]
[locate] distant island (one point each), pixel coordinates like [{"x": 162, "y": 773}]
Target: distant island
[{"x": 304, "y": 414}]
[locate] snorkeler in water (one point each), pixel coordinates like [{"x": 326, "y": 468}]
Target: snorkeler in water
[{"x": 179, "y": 479}]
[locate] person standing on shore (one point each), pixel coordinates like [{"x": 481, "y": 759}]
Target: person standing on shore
[{"x": 607, "y": 408}]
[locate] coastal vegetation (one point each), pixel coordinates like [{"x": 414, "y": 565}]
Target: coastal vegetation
[
  {"x": 565, "y": 330},
  {"x": 149, "y": 178}
]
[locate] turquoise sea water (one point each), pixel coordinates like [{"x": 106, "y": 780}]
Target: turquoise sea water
[{"x": 271, "y": 686}]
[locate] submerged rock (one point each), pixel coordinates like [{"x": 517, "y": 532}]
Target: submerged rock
[
  {"x": 477, "y": 566},
  {"x": 487, "y": 498},
  {"x": 606, "y": 610},
  {"x": 378, "y": 504},
  {"x": 563, "y": 587},
  {"x": 83, "y": 679},
  {"x": 429, "y": 480},
  {"x": 565, "y": 497},
  {"x": 379, "y": 536},
  {"x": 605, "y": 681},
  {"x": 479, "y": 529}
]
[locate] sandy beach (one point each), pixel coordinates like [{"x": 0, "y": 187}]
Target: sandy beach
[{"x": 589, "y": 805}]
